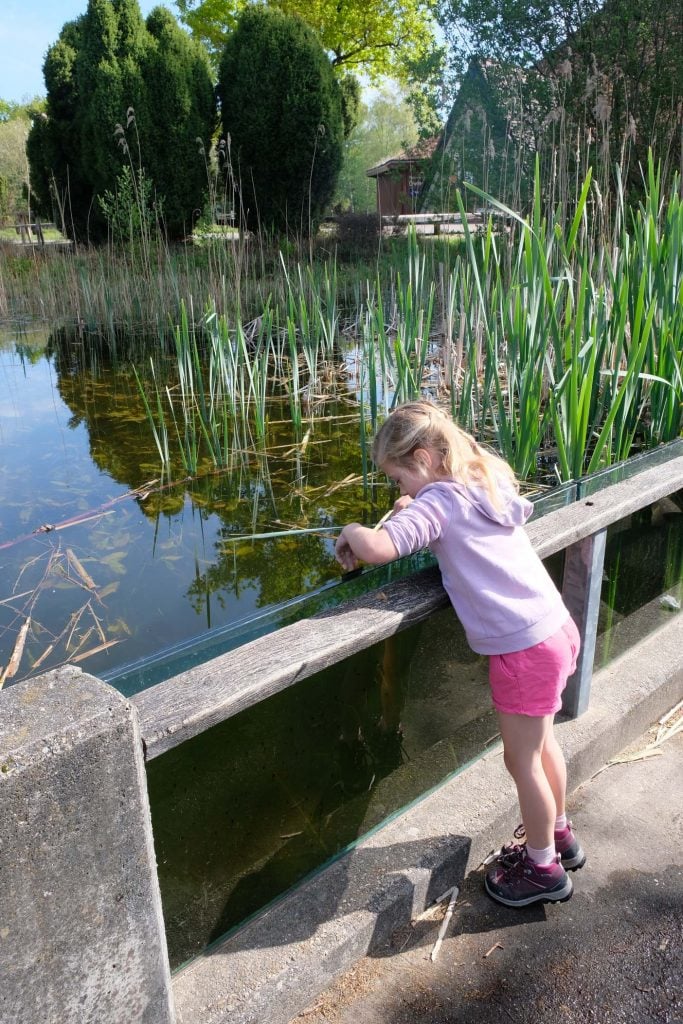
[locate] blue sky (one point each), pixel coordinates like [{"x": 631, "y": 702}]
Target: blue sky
[{"x": 27, "y": 29}]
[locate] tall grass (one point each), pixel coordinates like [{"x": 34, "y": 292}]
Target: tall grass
[{"x": 559, "y": 341}]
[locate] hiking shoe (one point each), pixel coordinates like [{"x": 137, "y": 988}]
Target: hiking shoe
[
  {"x": 509, "y": 853},
  {"x": 524, "y": 882},
  {"x": 566, "y": 844},
  {"x": 569, "y": 848}
]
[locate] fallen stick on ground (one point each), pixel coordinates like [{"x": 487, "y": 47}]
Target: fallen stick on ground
[{"x": 444, "y": 923}]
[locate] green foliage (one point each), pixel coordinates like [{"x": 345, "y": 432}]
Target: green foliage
[
  {"x": 604, "y": 79},
  {"x": 281, "y": 111},
  {"x": 180, "y": 116},
  {"x": 351, "y": 105},
  {"x": 104, "y": 64},
  {"x": 13, "y": 170},
  {"x": 131, "y": 210},
  {"x": 11, "y": 111},
  {"x": 377, "y": 39},
  {"x": 386, "y": 127},
  {"x": 4, "y": 197}
]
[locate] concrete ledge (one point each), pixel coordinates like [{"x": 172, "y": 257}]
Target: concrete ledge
[
  {"x": 274, "y": 966},
  {"x": 81, "y": 929}
]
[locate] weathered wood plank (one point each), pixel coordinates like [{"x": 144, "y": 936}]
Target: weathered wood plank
[
  {"x": 566, "y": 526},
  {"x": 187, "y": 704}
]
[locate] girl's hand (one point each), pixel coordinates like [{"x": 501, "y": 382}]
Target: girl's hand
[
  {"x": 344, "y": 554},
  {"x": 402, "y": 503}
]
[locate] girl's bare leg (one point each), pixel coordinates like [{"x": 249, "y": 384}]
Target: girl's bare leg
[
  {"x": 524, "y": 739},
  {"x": 555, "y": 770}
]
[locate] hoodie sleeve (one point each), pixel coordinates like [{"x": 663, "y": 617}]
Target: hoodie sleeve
[{"x": 422, "y": 522}]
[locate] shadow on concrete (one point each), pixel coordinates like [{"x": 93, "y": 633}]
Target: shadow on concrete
[
  {"x": 614, "y": 956},
  {"x": 390, "y": 884}
]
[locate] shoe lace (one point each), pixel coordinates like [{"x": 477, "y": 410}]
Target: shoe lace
[
  {"x": 509, "y": 853},
  {"x": 515, "y": 867}
]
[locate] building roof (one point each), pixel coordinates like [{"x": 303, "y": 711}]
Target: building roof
[{"x": 422, "y": 150}]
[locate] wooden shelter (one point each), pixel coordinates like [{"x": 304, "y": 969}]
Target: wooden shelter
[{"x": 400, "y": 178}]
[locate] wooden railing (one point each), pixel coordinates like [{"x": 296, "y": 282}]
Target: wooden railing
[
  {"x": 25, "y": 226},
  {"x": 187, "y": 704}
]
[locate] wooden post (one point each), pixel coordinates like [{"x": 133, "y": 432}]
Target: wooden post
[
  {"x": 38, "y": 229},
  {"x": 23, "y": 227},
  {"x": 581, "y": 586}
]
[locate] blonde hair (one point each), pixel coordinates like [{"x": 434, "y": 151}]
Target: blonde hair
[{"x": 423, "y": 425}]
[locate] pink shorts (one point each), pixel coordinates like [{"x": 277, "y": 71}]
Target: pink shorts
[{"x": 530, "y": 682}]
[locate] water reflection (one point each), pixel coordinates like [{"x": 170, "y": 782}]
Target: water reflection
[{"x": 159, "y": 559}]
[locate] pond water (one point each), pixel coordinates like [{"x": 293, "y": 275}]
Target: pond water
[{"x": 114, "y": 564}]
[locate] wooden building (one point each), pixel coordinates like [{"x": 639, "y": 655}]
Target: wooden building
[{"x": 400, "y": 179}]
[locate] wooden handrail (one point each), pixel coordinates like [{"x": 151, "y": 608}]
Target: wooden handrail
[{"x": 187, "y": 704}]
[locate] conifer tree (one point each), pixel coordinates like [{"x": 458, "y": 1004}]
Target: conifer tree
[
  {"x": 281, "y": 108},
  {"x": 122, "y": 93}
]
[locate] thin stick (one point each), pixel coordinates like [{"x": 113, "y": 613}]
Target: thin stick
[
  {"x": 445, "y": 923},
  {"x": 85, "y": 576},
  {"x": 15, "y": 597},
  {"x": 46, "y": 654},
  {"x": 95, "y": 650},
  {"x": 13, "y": 663},
  {"x": 321, "y": 530},
  {"x": 385, "y": 517},
  {"x": 496, "y": 945},
  {"x": 84, "y": 519}
]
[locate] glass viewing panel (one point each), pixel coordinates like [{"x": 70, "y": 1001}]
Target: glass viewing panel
[
  {"x": 175, "y": 659},
  {"x": 245, "y": 810},
  {"x": 642, "y": 583}
]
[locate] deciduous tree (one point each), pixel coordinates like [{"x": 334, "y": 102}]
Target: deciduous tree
[
  {"x": 614, "y": 68},
  {"x": 377, "y": 39}
]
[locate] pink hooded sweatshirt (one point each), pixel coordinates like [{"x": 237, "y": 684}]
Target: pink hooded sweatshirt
[{"x": 496, "y": 582}]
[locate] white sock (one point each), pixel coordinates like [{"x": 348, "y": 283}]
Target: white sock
[
  {"x": 560, "y": 822},
  {"x": 543, "y": 858}
]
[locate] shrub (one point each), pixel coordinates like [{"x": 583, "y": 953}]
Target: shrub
[
  {"x": 103, "y": 64},
  {"x": 281, "y": 109},
  {"x": 357, "y": 236}
]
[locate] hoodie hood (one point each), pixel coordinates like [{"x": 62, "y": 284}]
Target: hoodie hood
[{"x": 514, "y": 510}]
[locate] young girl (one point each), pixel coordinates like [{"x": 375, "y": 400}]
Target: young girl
[{"x": 463, "y": 503}]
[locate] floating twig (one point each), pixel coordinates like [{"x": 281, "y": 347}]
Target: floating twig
[
  {"x": 86, "y": 577},
  {"x": 95, "y": 650},
  {"x": 13, "y": 663},
  {"x": 79, "y": 520},
  {"x": 15, "y": 597},
  {"x": 83, "y": 517}
]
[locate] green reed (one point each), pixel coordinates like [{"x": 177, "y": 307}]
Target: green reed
[
  {"x": 585, "y": 342},
  {"x": 557, "y": 335}
]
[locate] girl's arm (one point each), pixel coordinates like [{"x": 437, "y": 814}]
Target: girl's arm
[{"x": 358, "y": 543}]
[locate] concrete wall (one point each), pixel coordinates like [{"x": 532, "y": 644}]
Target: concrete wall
[{"x": 81, "y": 931}]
